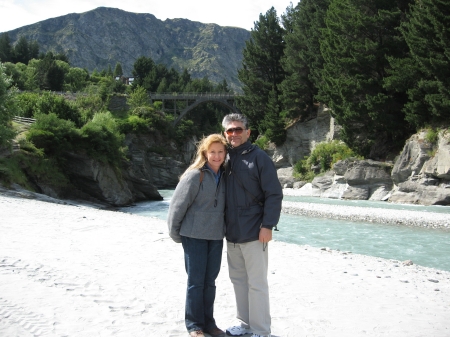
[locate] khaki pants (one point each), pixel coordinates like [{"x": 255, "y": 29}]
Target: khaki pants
[{"x": 247, "y": 266}]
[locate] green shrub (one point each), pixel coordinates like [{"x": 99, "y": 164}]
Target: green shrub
[
  {"x": 143, "y": 112},
  {"x": 432, "y": 136},
  {"x": 138, "y": 98},
  {"x": 102, "y": 140},
  {"x": 134, "y": 124},
  {"x": 52, "y": 103},
  {"x": 27, "y": 146},
  {"x": 262, "y": 142},
  {"x": 184, "y": 130},
  {"x": 27, "y": 103},
  {"x": 11, "y": 172},
  {"x": 52, "y": 134},
  {"x": 88, "y": 106},
  {"x": 18, "y": 168},
  {"x": 302, "y": 170},
  {"x": 324, "y": 156},
  {"x": 157, "y": 105}
]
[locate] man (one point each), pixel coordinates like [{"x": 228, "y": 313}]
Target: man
[{"x": 253, "y": 198}]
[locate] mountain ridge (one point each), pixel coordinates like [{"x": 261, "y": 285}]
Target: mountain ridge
[{"x": 104, "y": 36}]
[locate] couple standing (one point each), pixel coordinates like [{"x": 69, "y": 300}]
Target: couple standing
[{"x": 242, "y": 199}]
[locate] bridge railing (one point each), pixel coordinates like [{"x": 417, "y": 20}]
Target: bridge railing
[
  {"x": 192, "y": 95},
  {"x": 23, "y": 120}
]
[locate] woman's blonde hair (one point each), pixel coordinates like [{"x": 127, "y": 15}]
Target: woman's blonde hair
[{"x": 202, "y": 147}]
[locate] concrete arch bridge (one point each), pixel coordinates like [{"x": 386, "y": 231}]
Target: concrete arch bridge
[{"x": 193, "y": 100}]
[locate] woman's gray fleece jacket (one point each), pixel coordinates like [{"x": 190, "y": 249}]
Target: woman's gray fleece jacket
[{"x": 197, "y": 210}]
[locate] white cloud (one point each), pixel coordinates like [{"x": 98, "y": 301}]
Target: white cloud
[{"x": 239, "y": 13}]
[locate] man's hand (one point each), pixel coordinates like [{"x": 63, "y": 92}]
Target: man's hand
[{"x": 265, "y": 235}]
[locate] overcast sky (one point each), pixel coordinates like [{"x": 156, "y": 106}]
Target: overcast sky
[{"x": 237, "y": 13}]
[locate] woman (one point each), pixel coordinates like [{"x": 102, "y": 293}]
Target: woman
[{"x": 196, "y": 219}]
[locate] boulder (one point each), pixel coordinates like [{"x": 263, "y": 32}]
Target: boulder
[
  {"x": 410, "y": 162},
  {"x": 285, "y": 176},
  {"x": 368, "y": 172}
]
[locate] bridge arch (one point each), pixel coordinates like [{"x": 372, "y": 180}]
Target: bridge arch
[{"x": 193, "y": 100}]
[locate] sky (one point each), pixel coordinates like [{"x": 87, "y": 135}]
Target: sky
[{"x": 236, "y": 13}]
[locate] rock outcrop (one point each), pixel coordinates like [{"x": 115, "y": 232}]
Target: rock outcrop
[
  {"x": 302, "y": 137},
  {"x": 152, "y": 164},
  {"x": 422, "y": 172},
  {"x": 420, "y": 175}
]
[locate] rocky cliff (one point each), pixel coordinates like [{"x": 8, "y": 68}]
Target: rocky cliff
[
  {"x": 104, "y": 36},
  {"x": 419, "y": 175},
  {"x": 153, "y": 163},
  {"x": 302, "y": 137}
]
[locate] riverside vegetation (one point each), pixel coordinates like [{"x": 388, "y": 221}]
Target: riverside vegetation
[{"x": 380, "y": 67}]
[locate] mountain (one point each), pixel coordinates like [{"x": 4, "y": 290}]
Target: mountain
[{"x": 105, "y": 36}]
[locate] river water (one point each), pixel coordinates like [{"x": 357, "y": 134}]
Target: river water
[{"x": 425, "y": 247}]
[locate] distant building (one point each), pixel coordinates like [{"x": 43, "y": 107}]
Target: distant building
[{"x": 125, "y": 80}]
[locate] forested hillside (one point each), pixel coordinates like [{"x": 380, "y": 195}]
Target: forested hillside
[{"x": 381, "y": 66}]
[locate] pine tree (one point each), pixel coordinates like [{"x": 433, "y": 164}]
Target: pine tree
[
  {"x": 141, "y": 69},
  {"x": 118, "y": 70},
  {"x": 425, "y": 72},
  {"x": 21, "y": 51},
  {"x": 303, "y": 61},
  {"x": 109, "y": 72},
  {"x": 273, "y": 124},
  {"x": 6, "y": 50},
  {"x": 360, "y": 37},
  {"x": 33, "y": 50},
  {"x": 261, "y": 68}
]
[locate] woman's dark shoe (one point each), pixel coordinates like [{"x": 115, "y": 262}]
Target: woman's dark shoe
[
  {"x": 216, "y": 332},
  {"x": 196, "y": 333}
]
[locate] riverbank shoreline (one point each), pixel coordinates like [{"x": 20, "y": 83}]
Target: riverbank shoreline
[
  {"x": 414, "y": 218},
  {"x": 77, "y": 270}
]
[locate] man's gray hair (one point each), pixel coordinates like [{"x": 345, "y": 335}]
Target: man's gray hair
[{"x": 234, "y": 117}]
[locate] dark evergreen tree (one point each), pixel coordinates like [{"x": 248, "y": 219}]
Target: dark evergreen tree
[
  {"x": 303, "y": 61},
  {"x": 223, "y": 87},
  {"x": 118, "y": 70},
  {"x": 21, "y": 51},
  {"x": 141, "y": 69},
  {"x": 33, "y": 49},
  {"x": 6, "y": 50},
  {"x": 261, "y": 68},
  {"x": 54, "y": 77},
  {"x": 273, "y": 124},
  {"x": 425, "y": 73},
  {"x": 184, "y": 79},
  {"x": 109, "y": 73},
  {"x": 360, "y": 37}
]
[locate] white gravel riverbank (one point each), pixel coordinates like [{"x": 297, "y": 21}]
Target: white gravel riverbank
[
  {"x": 366, "y": 214},
  {"x": 68, "y": 269}
]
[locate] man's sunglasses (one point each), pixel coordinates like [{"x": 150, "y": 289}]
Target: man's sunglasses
[{"x": 237, "y": 131}]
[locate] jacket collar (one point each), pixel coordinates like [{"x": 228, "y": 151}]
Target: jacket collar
[{"x": 243, "y": 148}]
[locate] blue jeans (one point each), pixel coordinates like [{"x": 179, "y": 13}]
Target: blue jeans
[{"x": 202, "y": 259}]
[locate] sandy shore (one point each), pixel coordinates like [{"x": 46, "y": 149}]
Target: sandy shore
[{"x": 68, "y": 270}]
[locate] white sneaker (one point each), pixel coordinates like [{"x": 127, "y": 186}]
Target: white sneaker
[
  {"x": 255, "y": 335},
  {"x": 237, "y": 330}
]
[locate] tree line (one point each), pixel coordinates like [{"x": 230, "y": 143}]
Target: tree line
[{"x": 381, "y": 66}]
